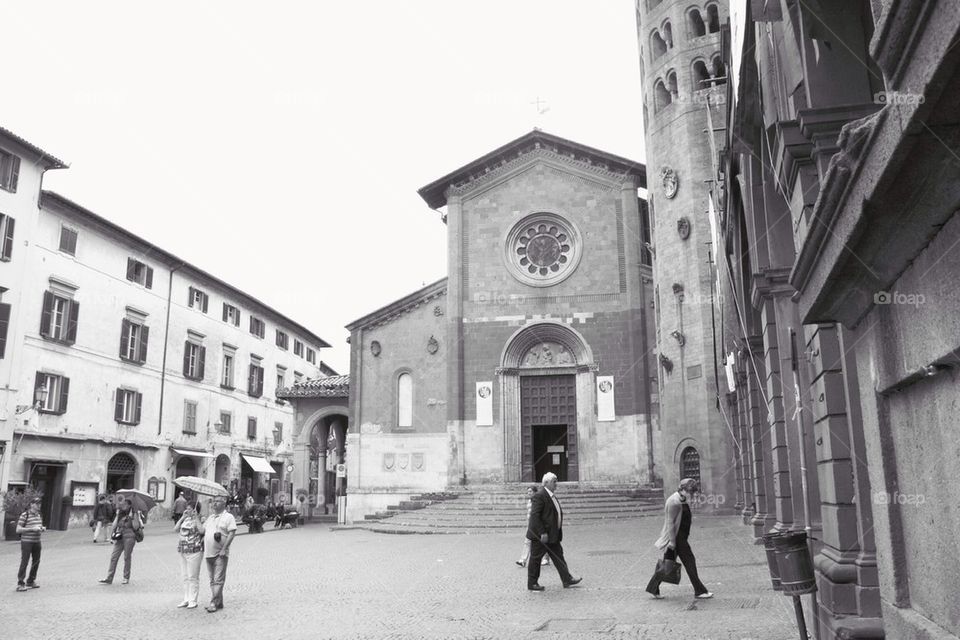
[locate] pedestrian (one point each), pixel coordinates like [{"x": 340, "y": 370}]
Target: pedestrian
[
  {"x": 545, "y": 532},
  {"x": 673, "y": 538},
  {"x": 190, "y": 548},
  {"x": 30, "y": 527},
  {"x": 219, "y": 531},
  {"x": 301, "y": 509},
  {"x": 103, "y": 515},
  {"x": 179, "y": 506},
  {"x": 525, "y": 555},
  {"x": 126, "y": 525}
]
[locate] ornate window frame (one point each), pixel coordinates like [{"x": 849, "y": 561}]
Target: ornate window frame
[{"x": 536, "y": 217}]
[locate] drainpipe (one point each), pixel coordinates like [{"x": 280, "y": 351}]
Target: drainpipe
[{"x": 166, "y": 336}]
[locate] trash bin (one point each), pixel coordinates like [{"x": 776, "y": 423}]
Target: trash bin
[
  {"x": 794, "y": 563},
  {"x": 772, "y": 565}
]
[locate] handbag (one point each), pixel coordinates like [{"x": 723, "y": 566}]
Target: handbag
[
  {"x": 668, "y": 571},
  {"x": 138, "y": 534},
  {"x": 117, "y": 533}
]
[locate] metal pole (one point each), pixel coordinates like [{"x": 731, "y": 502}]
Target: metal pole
[{"x": 801, "y": 622}]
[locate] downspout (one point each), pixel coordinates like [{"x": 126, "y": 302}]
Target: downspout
[{"x": 166, "y": 335}]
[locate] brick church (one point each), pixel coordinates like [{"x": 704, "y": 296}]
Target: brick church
[{"x": 535, "y": 354}]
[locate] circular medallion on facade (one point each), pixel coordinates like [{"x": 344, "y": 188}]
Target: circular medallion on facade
[
  {"x": 375, "y": 348},
  {"x": 484, "y": 391},
  {"x": 683, "y": 228},
  {"x": 670, "y": 181},
  {"x": 605, "y": 386},
  {"x": 542, "y": 249},
  {"x": 432, "y": 345}
]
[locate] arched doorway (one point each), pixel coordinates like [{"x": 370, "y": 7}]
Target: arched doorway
[
  {"x": 186, "y": 467},
  {"x": 121, "y": 472},
  {"x": 690, "y": 464},
  {"x": 222, "y": 470},
  {"x": 547, "y": 394},
  {"x": 327, "y": 448}
]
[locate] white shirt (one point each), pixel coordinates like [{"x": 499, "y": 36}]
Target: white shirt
[
  {"x": 222, "y": 523},
  {"x": 556, "y": 505}
]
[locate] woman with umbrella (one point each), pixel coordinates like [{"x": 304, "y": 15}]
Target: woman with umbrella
[
  {"x": 190, "y": 548},
  {"x": 127, "y": 531}
]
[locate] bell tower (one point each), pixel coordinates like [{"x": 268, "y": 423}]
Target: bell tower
[{"x": 683, "y": 76}]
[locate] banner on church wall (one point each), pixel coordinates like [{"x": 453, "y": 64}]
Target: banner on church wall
[
  {"x": 484, "y": 404},
  {"x": 605, "y": 411}
]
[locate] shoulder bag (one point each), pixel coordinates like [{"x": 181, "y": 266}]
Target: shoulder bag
[{"x": 668, "y": 570}]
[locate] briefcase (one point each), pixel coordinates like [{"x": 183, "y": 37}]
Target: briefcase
[{"x": 668, "y": 570}]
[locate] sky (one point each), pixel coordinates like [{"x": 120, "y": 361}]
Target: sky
[{"x": 279, "y": 146}]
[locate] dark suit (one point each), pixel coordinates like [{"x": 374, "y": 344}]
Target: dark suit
[{"x": 545, "y": 519}]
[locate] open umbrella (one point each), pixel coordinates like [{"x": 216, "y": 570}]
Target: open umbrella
[
  {"x": 201, "y": 485},
  {"x": 141, "y": 501}
]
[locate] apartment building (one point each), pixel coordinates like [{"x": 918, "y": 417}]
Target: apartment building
[{"x": 136, "y": 367}]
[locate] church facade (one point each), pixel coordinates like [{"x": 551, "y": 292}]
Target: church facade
[{"x": 534, "y": 354}]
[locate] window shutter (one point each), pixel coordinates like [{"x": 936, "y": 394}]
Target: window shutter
[
  {"x": 8, "y": 238},
  {"x": 45, "y": 316},
  {"x": 64, "y": 392},
  {"x": 149, "y": 277},
  {"x": 138, "y": 397},
  {"x": 190, "y": 298},
  {"x": 186, "y": 358},
  {"x": 236, "y": 318},
  {"x": 144, "y": 336},
  {"x": 250, "y": 380},
  {"x": 259, "y": 381},
  {"x": 201, "y": 357},
  {"x": 224, "y": 311},
  {"x": 38, "y": 381},
  {"x": 206, "y": 299},
  {"x": 124, "y": 337},
  {"x": 252, "y": 428},
  {"x": 4, "y": 322},
  {"x": 131, "y": 269},
  {"x": 73, "y": 312},
  {"x": 14, "y": 173},
  {"x": 118, "y": 406}
]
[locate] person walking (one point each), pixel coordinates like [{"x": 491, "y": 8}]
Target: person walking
[
  {"x": 219, "y": 531},
  {"x": 525, "y": 555},
  {"x": 103, "y": 515},
  {"x": 545, "y": 532},
  {"x": 126, "y": 526},
  {"x": 190, "y": 548},
  {"x": 673, "y": 538},
  {"x": 30, "y": 527},
  {"x": 179, "y": 507}
]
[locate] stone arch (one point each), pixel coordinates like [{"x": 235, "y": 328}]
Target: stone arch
[
  {"x": 528, "y": 337},
  {"x": 701, "y": 75},
  {"x": 718, "y": 70},
  {"x": 658, "y": 45},
  {"x": 713, "y": 18},
  {"x": 667, "y": 30},
  {"x": 121, "y": 472},
  {"x": 672, "y": 86},
  {"x": 661, "y": 96},
  {"x": 696, "y": 26},
  {"x": 312, "y": 454},
  {"x": 221, "y": 472}
]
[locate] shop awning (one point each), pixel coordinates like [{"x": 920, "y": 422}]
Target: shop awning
[
  {"x": 192, "y": 452},
  {"x": 260, "y": 465}
]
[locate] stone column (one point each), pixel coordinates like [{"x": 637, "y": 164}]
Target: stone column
[
  {"x": 734, "y": 418},
  {"x": 779, "y": 466},
  {"x": 763, "y": 491},
  {"x": 746, "y": 455},
  {"x": 455, "y": 238},
  {"x": 510, "y": 419}
]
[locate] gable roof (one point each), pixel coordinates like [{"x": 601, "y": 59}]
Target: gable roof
[
  {"x": 398, "y": 307},
  {"x": 326, "y": 387},
  {"x": 435, "y": 193},
  {"x": 47, "y": 160}
]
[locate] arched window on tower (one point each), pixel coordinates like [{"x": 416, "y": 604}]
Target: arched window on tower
[
  {"x": 657, "y": 46},
  {"x": 405, "y": 400},
  {"x": 661, "y": 95},
  {"x": 668, "y": 34},
  {"x": 719, "y": 71},
  {"x": 690, "y": 464},
  {"x": 695, "y": 25},
  {"x": 701, "y": 76},
  {"x": 713, "y": 18},
  {"x": 672, "y": 85}
]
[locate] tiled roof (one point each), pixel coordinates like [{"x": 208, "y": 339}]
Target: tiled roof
[
  {"x": 51, "y": 161},
  {"x": 328, "y": 387}
]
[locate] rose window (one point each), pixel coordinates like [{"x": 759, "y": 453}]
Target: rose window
[{"x": 542, "y": 249}]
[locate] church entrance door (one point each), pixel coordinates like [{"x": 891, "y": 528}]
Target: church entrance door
[{"x": 548, "y": 419}]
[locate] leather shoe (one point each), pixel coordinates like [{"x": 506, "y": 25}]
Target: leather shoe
[
  {"x": 535, "y": 587},
  {"x": 572, "y": 582}
]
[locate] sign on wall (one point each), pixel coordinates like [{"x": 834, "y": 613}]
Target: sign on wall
[
  {"x": 605, "y": 410},
  {"x": 84, "y": 494},
  {"x": 484, "y": 404}
]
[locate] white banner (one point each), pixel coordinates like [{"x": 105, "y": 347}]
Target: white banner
[
  {"x": 484, "y": 404},
  {"x": 605, "y": 410},
  {"x": 728, "y": 366}
]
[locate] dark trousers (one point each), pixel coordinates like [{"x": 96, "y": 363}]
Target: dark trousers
[
  {"x": 217, "y": 566},
  {"x": 689, "y": 562},
  {"x": 555, "y": 551},
  {"x": 125, "y": 546},
  {"x": 28, "y": 550}
]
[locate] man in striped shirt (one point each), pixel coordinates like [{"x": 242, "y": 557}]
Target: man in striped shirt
[{"x": 29, "y": 526}]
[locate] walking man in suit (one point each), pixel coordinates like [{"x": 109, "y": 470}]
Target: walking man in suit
[{"x": 545, "y": 532}]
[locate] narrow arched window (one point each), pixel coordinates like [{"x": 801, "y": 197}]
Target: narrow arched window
[
  {"x": 405, "y": 400},
  {"x": 695, "y": 25},
  {"x": 719, "y": 71},
  {"x": 713, "y": 18},
  {"x": 657, "y": 46},
  {"x": 668, "y": 34},
  {"x": 661, "y": 95},
  {"x": 672, "y": 85},
  {"x": 701, "y": 76}
]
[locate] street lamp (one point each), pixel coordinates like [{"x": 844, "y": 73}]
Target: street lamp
[{"x": 40, "y": 399}]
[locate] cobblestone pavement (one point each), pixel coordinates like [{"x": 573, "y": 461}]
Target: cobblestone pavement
[{"x": 313, "y": 582}]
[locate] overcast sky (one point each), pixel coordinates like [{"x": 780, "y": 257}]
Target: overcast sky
[{"x": 280, "y": 145}]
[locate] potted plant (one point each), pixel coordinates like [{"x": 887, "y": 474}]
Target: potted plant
[
  {"x": 15, "y": 503},
  {"x": 262, "y": 494}
]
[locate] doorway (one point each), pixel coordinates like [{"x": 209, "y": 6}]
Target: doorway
[
  {"x": 548, "y": 428},
  {"x": 120, "y": 472},
  {"x": 48, "y": 480},
  {"x": 690, "y": 464}
]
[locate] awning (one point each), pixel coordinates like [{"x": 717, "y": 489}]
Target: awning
[
  {"x": 192, "y": 452},
  {"x": 260, "y": 465}
]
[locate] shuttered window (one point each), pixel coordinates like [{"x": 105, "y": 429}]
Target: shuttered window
[
  {"x": 58, "y": 320},
  {"x": 255, "y": 380},
  {"x": 133, "y": 341},
  {"x": 231, "y": 314},
  {"x": 140, "y": 273},
  {"x": 4, "y": 323},
  {"x": 9, "y": 171},
  {"x": 7, "y": 225},
  {"x": 194, "y": 356},
  {"x": 68, "y": 240},
  {"x": 251, "y": 428},
  {"x": 197, "y": 299},
  {"x": 57, "y": 390},
  {"x": 127, "y": 406},
  {"x": 189, "y": 417}
]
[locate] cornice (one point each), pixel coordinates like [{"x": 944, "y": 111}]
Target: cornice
[{"x": 404, "y": 305}]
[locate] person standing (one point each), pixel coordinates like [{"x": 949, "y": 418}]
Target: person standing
[
  {"x": 545, "y": 532},
  {"x": 126, "y": 524},
  {"x": 103, "y": 515},
  {"x": 179, "y": 507},
  {"x": 673, "y": 538},
  {"x": 190, "y": 548},
  {"x": 219, "y": 531},
  {"x": 30, "y": 527}
]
